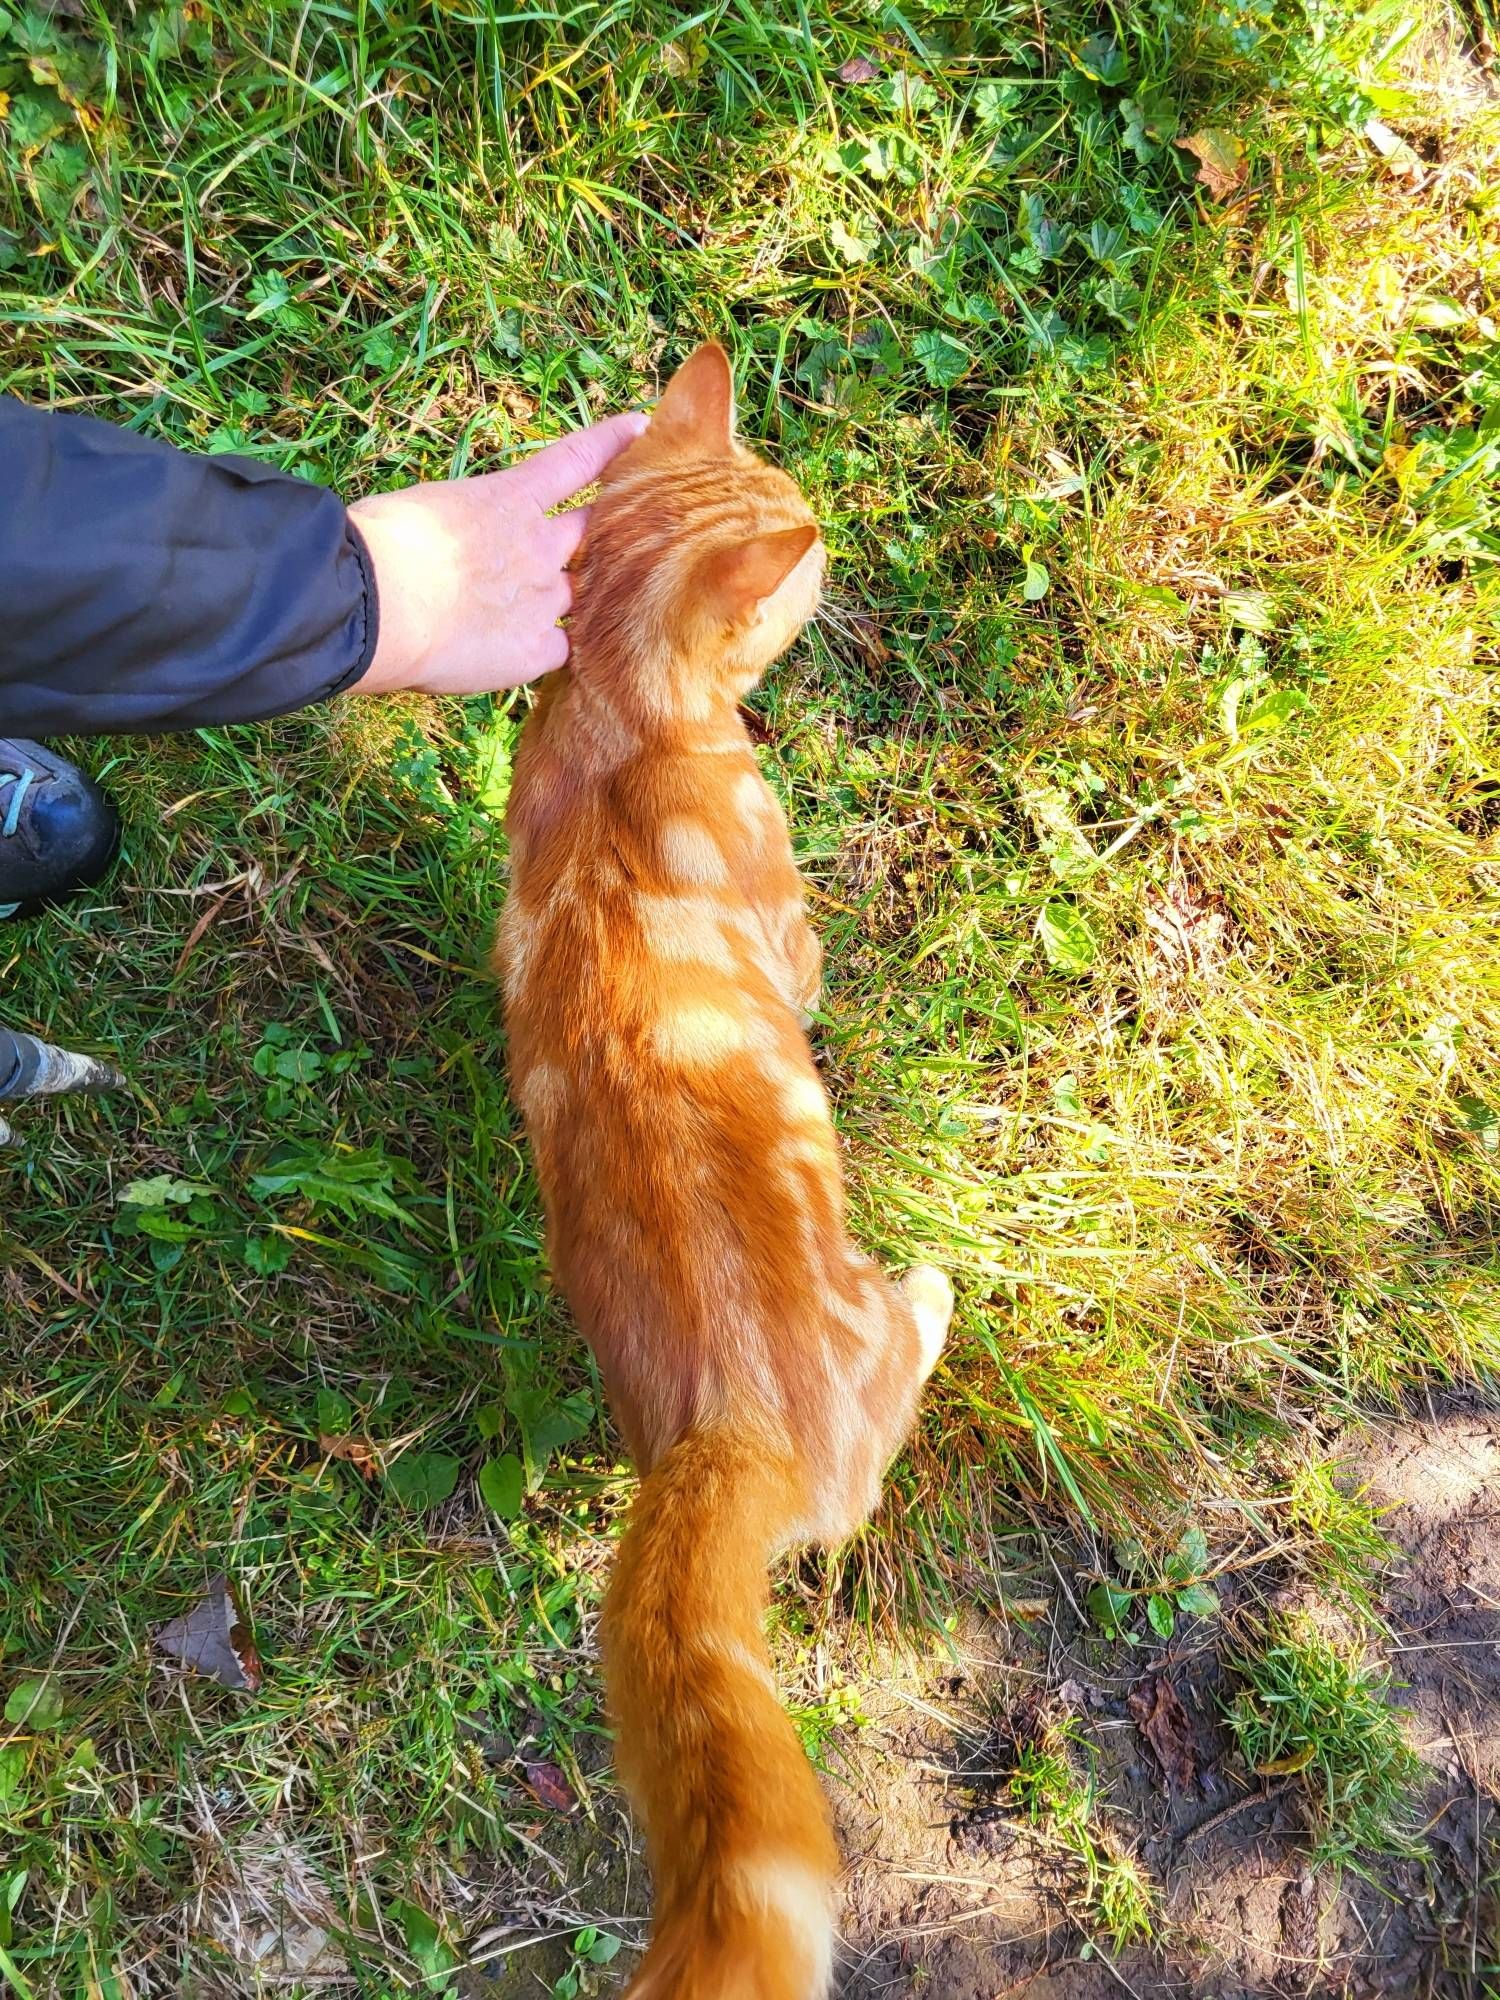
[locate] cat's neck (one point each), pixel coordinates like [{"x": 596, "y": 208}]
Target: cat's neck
[{"x": 600, "y": 722}]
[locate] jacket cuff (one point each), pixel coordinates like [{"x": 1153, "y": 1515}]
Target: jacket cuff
[{"x": 370, "y": 612}]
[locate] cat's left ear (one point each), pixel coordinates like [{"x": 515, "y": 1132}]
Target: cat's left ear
[
  {"x": 696, "y": 411},
  {"x": 743, "y": 577}
]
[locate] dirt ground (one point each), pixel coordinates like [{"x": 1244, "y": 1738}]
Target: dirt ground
[{"x": 951, "y": 1896}]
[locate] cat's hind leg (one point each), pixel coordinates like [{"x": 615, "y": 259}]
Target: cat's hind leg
[
  {"x": 807, "y": 972},
  {"x": 800, "y": 950}
]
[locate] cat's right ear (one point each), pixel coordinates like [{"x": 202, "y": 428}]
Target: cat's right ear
[{"x": 696, "y": 411}]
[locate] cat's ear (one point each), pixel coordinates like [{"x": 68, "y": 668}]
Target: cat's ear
[
  {"x": 696, "y": 409},
  {"x": 742, "y": 577}
]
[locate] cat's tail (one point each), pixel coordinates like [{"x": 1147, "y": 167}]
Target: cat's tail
[{"x": 741, "y": 1850}]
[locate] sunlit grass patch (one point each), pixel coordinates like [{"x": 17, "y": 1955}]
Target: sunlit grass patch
[
  {"x": 1143, "y": 768},
  {"x": 1311, "y": 1709}
]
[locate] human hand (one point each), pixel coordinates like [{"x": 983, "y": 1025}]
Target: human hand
[{"x": 470, "y": 574}]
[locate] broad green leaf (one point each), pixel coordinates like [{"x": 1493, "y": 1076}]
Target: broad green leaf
[
  {"x": 1047, "y": 237},
  {"x": 1101, "y": 61},
  {"x": 1108, "y": 1607},
  {"x": 1150, "y": 119},
  {"x": 1065, "y": 1096},
  {"x": 1066, "y": 939},
  {"x": 1120, "y": 299},
  {"x": 423, "y": 1480},
  {"x": 12, "y": 1773},
  {"x": 502, "y": 1482},
  {"x": 334, "y": 1413},
  {"x": 1160, "y": 1615},
  {"x": 943, "y": 360},
  {"x": 1273, "y": 711},
  {"x": 851, "y": 247},
  {"x": 35, "y": 1704},
  {"x": 548, "y": 1422},
  {"x": 819, "y": 362},
  {"x": 994, "y": 102},
  {"x": 492, "y": 769},
  {"x": 1129, "y": 1553},
  {"x": 165, "y": 1225},
  {"x": 1036, "y": 581},
  {"x": 1193, "y": 1548},
  {"x": 1439, "y": 314},
  {"x": 298, "y": 1065},
  {"x": 905, "y": 92},
  {"x": 1106, "y": 242},
  {"x": 159, "y": 1191},
  {"x": 33, "y": 120},
  {"x": 1199, "y": 1600},
  {"x": 424, "y": 1939},
  {"x": 379, "y": 351},
  {"x": 269, "y": 1255},
  {"x": 1482, "y": 1120},
  {"x": 346, "y": 1179}
]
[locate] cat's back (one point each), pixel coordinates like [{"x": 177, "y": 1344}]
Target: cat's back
[{"x": 644, "y": 906}]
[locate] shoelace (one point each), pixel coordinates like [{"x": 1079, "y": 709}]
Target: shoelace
[{"x": 22, "y": 781}]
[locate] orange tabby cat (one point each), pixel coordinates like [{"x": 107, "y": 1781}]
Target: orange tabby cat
[{"x": 658, "y": 968}]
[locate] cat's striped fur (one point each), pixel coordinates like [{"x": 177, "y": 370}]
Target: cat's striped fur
[{"x": 658, "y": 968}]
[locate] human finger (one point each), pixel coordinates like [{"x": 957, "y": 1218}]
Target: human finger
[
  {"x": 557, "y": 473},
  {"x": 569, "y": 529},
  {"x": 551, "y": 650}
]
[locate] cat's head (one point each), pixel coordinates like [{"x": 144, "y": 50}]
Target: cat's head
[{"x": 697, "y": 542}]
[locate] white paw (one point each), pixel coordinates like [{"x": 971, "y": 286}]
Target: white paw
[{"x": 929, "y": 1292}]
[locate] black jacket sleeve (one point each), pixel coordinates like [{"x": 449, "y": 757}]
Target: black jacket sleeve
[{"x": 143, "y": 588}]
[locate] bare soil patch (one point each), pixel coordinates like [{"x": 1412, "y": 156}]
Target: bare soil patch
[{"x": 950, "y": 1893}]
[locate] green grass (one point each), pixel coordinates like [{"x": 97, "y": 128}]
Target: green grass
[
  {"x": 1308, "y": 1706},
  {"x": 1143, "y": 770},
  {"x": 1109, "y": 1892}
]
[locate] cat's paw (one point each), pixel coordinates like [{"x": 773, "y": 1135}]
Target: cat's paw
[{"x": 929, "y": 1293}]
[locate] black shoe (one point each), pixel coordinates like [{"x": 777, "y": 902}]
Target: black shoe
[{"x": 58, "y": 832}]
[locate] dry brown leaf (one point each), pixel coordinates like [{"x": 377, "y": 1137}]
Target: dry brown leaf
[
  {"x": 1186, "y": 932},
  {"x": 866, "y": 635},
  {"x": 1298, "y": 1918},
  {"x": 546, "y": 1783},
  {"x": 356, "y": 1451},
  {"x": 1222, "y": 161},
  {"x": 1159, "y": 1715},
  {"x": 859, "y": 69},
  {"x": 214, "y": 1638}
]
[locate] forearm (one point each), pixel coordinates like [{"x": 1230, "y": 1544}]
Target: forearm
[{"x": 146, "y": 589}]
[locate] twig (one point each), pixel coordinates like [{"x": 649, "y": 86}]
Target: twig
[{"x": 1229, "y": 1811}]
